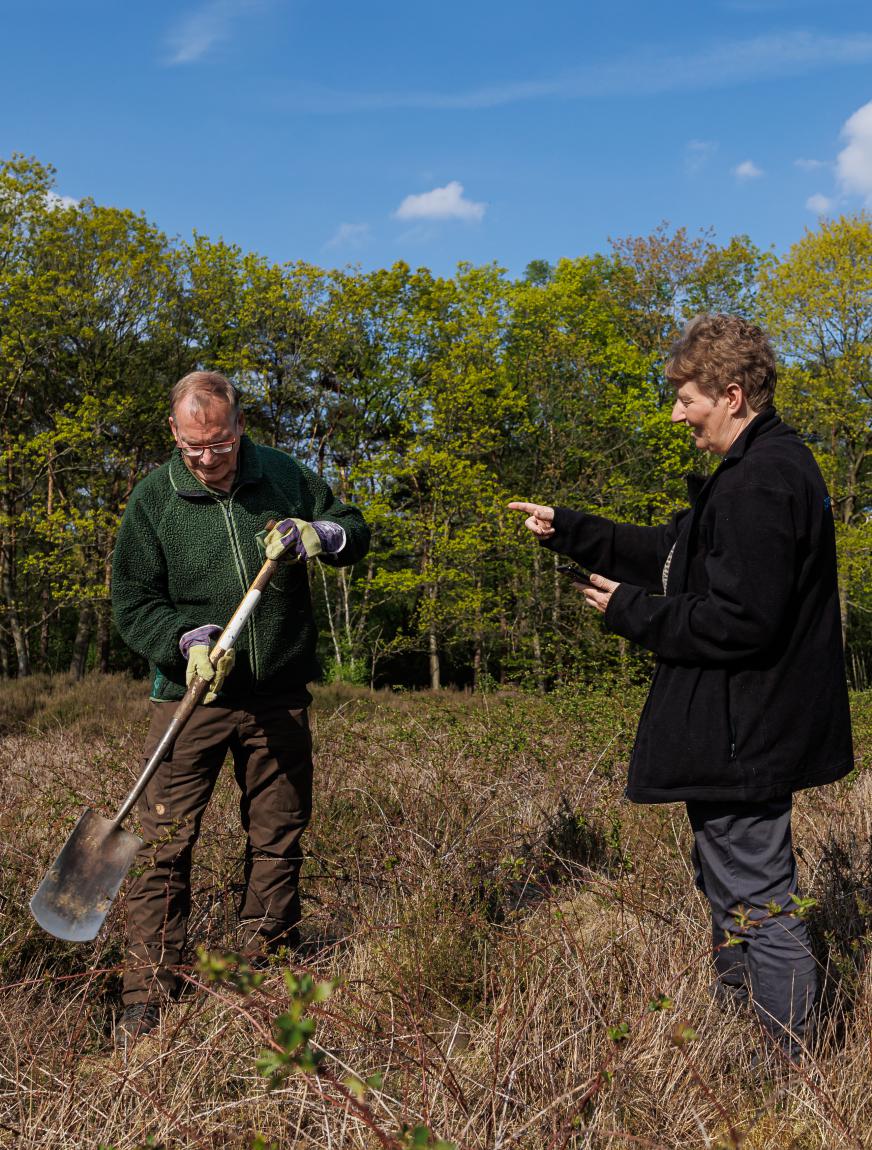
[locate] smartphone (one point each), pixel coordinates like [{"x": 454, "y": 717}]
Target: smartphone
[{"x": 575, "y": 574}]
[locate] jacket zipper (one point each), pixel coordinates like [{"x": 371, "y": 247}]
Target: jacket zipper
[{"x": 226, "y": 508}]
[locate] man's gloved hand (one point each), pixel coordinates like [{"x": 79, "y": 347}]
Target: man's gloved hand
[
  {"x": 295, "y": 540},
  {"x": 195, "y": 646}
]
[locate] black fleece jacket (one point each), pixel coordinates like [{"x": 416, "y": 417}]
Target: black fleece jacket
[{"x": 749, "y": 699}]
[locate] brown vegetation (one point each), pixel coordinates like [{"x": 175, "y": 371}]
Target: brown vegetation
[{"x": 522, "y": 953}]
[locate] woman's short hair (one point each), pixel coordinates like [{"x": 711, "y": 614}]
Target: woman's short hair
[
  {"x": 716, "y": 350},
  {"x": 202, "y": 388}
]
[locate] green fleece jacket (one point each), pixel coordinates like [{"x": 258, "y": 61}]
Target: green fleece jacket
[{"x": 186, "y": 554}]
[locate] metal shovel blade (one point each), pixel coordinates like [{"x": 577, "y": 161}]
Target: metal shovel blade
[{"x": 74, "y": 897}]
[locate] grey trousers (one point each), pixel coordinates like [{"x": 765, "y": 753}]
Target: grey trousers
[
  {"x": 272, "y": 759},
  {"x": 744, "y": 865}
]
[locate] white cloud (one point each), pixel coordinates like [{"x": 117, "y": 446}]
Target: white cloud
[
  {"x": 446, "y": 203},
  {"x": 854, "y": 162},
  {"x": 53, "y": 201},
  {"x": 349, "y": 236},
  {"x": 697, "y": 153},
  {"x": 810, "y": 165},
  {"x": 819, "y": 204},
  {"x": 195, "y": 34},
  {"x": 747, "y": 170}
]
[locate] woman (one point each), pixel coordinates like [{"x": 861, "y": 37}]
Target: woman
[{"x": 737, "y": 596}]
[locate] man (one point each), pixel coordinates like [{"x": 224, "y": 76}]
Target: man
[
  {"x": 737, "y": 596},
  {"x": 191, "y": 540}
]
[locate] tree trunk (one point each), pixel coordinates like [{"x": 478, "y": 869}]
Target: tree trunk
[
  {"x": 46, "y": 587},
  {"x": 846, "y": 516},
  {"x": 81, "y": 642},
  {"x": 435, "y": 676},
  {"x": 537, "y": 662},
  {"x": 103, "y": 636},
  {"x": 14, "y": 622},
  {"x": 7, "y": 565},
  {"x": 477, "y": 652},
  {"x": 104, "y": 619},
  {"x": 337, "y": 651}
]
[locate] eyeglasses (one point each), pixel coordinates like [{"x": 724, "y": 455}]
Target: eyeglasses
[{"x": 216, "y": 448}]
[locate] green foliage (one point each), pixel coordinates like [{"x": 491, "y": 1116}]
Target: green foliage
[
  {"x": 660, "y": 1003},
  {"x": 294, "y": 1031},
  {"x": 682, "y": 1034},
  {"x": 801, "y": 906},
  {"x": 292, "y": 1050},
  {"x": 358, "y": 1087},
  {"x": 429, "y": 401},
  {"x": 229, "y": 969},
  {"x": 818, "y": 304},
  {"x": 422, "y": 1138}
]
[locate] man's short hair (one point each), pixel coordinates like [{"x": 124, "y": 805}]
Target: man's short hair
[
  {"x": 716, "y": 350},
  {"x": 201, "y": 388}
]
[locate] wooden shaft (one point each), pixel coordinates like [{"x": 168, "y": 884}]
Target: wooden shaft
[{"x": 200, "y": 687}]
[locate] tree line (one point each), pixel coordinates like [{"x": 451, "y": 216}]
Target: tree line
[{"x": 428, "y": 401}]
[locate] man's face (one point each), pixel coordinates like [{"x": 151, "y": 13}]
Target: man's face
[
  {"x": 212, "y": 425},
  {"x": 708, "y": 419}
]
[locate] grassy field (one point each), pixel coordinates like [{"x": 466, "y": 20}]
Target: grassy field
[{"x": 519, "y": 953}]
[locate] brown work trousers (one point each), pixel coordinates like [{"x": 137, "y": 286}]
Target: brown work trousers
[{"x": 272, "y": 757}]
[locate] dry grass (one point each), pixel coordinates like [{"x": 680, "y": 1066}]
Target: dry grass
[{"x": 494, "y": 909}]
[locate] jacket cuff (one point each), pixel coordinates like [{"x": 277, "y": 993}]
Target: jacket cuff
[
  {"x": 563, "y": 517},
  {"x": 622, "y": 605}
]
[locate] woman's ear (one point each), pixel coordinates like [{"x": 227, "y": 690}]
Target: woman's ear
[{"x": 735, "y": 398}]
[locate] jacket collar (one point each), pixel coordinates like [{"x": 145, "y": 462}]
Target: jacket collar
[
  {"x": 186, "y": 484},
  {"x": 765, "y": 421},
  {"x": 699, "y": 487}
]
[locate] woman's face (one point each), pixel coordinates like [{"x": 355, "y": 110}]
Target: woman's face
[{"x": 711, "y": 421}]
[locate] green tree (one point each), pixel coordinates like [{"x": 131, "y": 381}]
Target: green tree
[
  {"x": 95, "y": 337},
  {"x": 25, "y": 191},
  {"x": 659, "y": 281},
  {"x": 817, "y": 303},
  {"x": 440, "y": 471},
  {"x": 595, "y": 436}
]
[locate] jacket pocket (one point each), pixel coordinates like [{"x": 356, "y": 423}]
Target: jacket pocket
[{"x": 685, "y": 736}]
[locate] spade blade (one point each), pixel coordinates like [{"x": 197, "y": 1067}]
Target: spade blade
[{"x": 75, "y": 896}]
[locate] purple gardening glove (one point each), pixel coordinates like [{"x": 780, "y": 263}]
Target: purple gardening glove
[
  {"x": 332, "y": 536},
  {"x": 295, "y": 540},
  {"x": 205, "y": 634}
]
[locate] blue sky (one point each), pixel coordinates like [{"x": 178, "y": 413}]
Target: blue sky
[{"x": 482, "y": 131}]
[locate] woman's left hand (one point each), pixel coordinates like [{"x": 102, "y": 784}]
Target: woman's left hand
[{"x": 599, "y": 594}]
